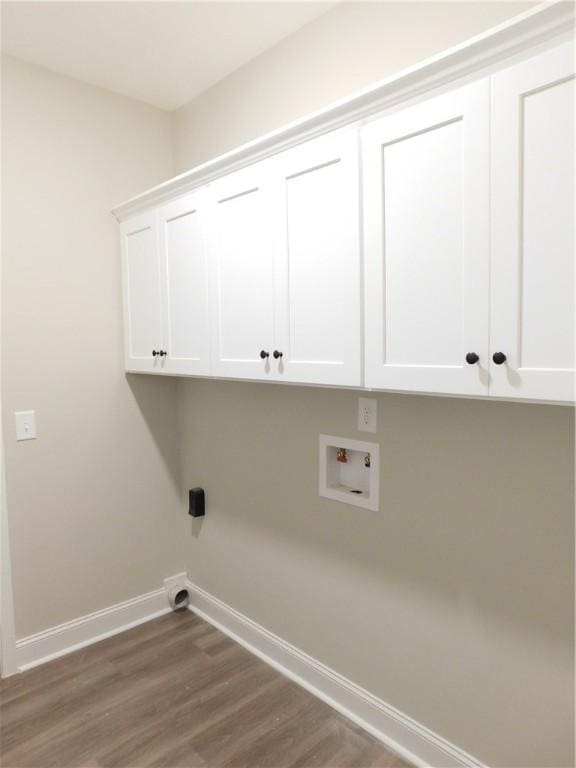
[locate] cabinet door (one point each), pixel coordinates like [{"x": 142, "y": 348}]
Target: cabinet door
[
  {"x": 242, "y": 270},
  {"x": 184, "y": 285},
  {"x": 532, "y": 299},
  {"x": 426, "y": 187},
  {"x": 318, "y": 261},
  {"x": 142, "y": 294}
]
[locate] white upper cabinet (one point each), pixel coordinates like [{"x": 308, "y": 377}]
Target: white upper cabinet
[
  {"x": 143, "y": 336},
  {"x": 430, "y": 248},
  {"x": 318, "y": 262},
  {"x": 285, "y": 265},
  {"x": 166, "y": 289},
  {"x": 241, "y": 253},
  {"x": 532, "y": 267},
  {"x": 184, "y": 280},
  {"x": 426, "y": 230}
]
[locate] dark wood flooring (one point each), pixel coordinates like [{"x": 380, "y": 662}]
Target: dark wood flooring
[{"x": 176, "y": 693}]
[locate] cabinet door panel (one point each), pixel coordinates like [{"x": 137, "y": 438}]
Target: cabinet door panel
[
  {"x": 423, "y": 226},
  {"x": 426, "y": 245},
  {"x": 184, "y": 285},
  {"x": 318, "y": 267},
  {"x": 142, "y": 295},
  {"x": 242, "y": 266},
  {"x": 532, "y": 319}
]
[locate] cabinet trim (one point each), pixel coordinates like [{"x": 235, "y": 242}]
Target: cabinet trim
[{"x": 538, "y": 26}]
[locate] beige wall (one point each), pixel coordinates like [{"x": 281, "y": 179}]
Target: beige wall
[
  {"x": 94, "y": 501},
  {"x": 455, "y": 602},
  {"x": 350, "y": 47}
]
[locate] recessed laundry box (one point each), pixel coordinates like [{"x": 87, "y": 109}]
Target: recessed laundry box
[{"x": 349, "y": 471}]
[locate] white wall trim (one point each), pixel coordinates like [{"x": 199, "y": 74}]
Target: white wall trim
[
  {"x": 403, "y": 735},
  {"x": 474, "y": 57},
  {"x": 7, "y": 631},
  {"x": 8, "y": 664},
  {"x": 73, "y": 635}
]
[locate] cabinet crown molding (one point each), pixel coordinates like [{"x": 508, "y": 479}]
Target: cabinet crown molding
[{"x": 537, "y": 27}]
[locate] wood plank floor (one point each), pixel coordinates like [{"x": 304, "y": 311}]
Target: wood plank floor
[{"x": 173, "y": 693}]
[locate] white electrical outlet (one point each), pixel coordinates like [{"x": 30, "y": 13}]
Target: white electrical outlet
[{"x": 367, "y": 414}]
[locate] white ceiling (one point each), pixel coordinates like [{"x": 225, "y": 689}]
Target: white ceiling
[{"x": 163, "y": 53}]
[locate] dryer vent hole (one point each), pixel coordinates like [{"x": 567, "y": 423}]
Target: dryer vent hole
[{"x": 181, "y": 598}]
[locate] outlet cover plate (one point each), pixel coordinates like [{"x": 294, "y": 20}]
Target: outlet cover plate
[{"x": 367, "y": 414}]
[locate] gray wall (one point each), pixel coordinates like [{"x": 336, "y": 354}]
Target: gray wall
[{"x": 455, "y": 602}]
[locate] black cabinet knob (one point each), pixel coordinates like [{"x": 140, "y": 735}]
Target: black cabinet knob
[
  {"x": 472, "y": 358},
  {"x": 264, "y": 354},
  {"x": 499, "y": 358},
  {"x": 277, "y": 354},
  {"x": 154, "y": 353}
]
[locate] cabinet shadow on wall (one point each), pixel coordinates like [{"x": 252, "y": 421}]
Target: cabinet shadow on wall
[{"x": 156, "y": 398}]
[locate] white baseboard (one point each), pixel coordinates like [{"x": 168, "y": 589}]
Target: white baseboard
[
  {"x": 403, "y": 735},
  {"x": 65, "y": 638}
]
